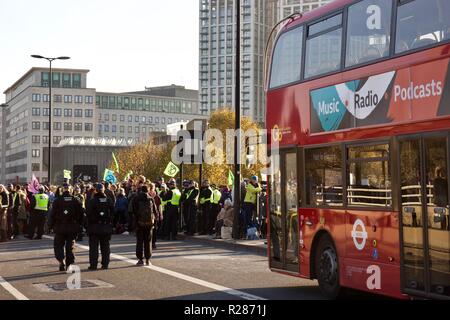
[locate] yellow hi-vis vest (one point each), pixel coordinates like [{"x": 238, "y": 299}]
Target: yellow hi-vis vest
[
  {"x": 176, "y": 195},
  {"x": 41, "y": 201},
  {"x": 203, "y": 200},
  {"x": 216, "y": 196}
]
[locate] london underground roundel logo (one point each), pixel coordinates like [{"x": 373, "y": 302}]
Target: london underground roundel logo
[{"x": 359, "y": 234}]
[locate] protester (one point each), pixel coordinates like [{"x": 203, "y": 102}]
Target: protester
[
  {"x": 224, "y": 218},
  {"x": 4, "y": 213}
]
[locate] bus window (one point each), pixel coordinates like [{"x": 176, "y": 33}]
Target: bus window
[
  {"x": 323, "y": 52},
  {"x": 421, "y": 23},
  {"x": 324, "y": 176},
  {"x": 368, "y": 176},
  {"x": 369, "y": 28},
  {"x": 287, "y": 58}
]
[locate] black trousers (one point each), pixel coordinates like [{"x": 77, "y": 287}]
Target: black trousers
[
  {"x": 94, "y": 241},
  {"x": 61, "y": 242},
  {"x": 191, "y": 215},
  {"x": 171, "y": 219},
  {"x": 203, "y": 217},
  {"x": 37, "y": 221},
  {"x": 213, "y": 212},
  {"x": 144, "y": 236}
]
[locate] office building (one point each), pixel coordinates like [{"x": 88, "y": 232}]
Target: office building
[{"x": 79, "y": 112}]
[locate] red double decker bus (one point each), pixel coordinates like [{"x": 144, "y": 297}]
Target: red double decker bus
[{"x": 358, "y": 105}]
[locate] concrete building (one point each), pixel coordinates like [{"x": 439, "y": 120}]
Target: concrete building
[
  {"x": 217, "y": 51},
  {"x": 79, "y": 112},
  {"x": 135, "y": 115},
  {"x": 217, "y": 54}
]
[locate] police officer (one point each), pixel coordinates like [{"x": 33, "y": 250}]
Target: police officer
[
  {"x": 66, "y": 218},
  {"x": 39, "y": 208},
  {"x": 215, "y": 208},
  {"x": 99, "y": 214},
  {"x": 171, "y": 200},
  {"x": 205, "y": 207},
  {"x": 190, "y": 207}
]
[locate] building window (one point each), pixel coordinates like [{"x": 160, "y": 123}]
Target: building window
[
  {"x": 163, "y": 120},
  {"x": 136, "y": 119},
  {"x": 36, "y": 139},
  {"x": 67, "y": 126},
  {"x": 35, "y": 97},
  {"x": 78, "y": 99},
  {"x": 45, "y": 79},
  {"x": 45, "y": 126},
  {"x": 67, "y": 112},
  {"x": 150, "y": 119},
  {"x": 76, "y": 80},
  {"x": 45, "y": 139},
  {"x": 56, "y": 139},
  {"x": 57, "y": 126},
  {"x": 106, "y": 117},
  {"x": 35, "y": 167},
  {"x": 57, "y": 112},
  {"x": 122, "y": 118},
  {"x": 106, "y": 128},
  {"x": 67, "y": 99},
  {"x": 35, "y": 153},
  {"x": 88, "y": 113},
  {"x": 56, "y": 79},
  {"x": 130, "y": 129},
  {"x": 89, "y": 100},
  {"x": 45, "y": 98},
  {"x": 114, "y": 128},
  {"x": 156, "y": 120},
  {"x": 45, "y": 112},
  {"x": 114, "y": 117},
  {"x": 122, "y": 129},
  {"x": 130, "y": 118},
  {"x": 57, "y": 98},
  {"x": 35, "y": 125},
  {"x": 78, "y": 113},
  {"x": 78, "y": 127},
  {"x": 136, "y": 129},
  {"x": 36, "y": 111},
  {"x": 66, "y": 83},
  {"x": 88, "y": 127}
]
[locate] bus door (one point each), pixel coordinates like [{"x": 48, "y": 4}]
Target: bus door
[
  {"x": 283, "y": 204},
  {"x": 425, "y": 227}
]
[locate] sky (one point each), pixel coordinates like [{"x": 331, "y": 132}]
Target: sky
[{"x": 126, "y": 44}]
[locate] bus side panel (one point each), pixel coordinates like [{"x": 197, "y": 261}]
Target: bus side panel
[
  {"x": 372, "y": 261},
  {"x": 379, "y": 278},
  {"x": 313, "y": 223}
]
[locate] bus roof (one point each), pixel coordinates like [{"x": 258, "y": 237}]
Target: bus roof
[{"x": 317, "y": 13}]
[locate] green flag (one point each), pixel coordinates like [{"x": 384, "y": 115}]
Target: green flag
[
  {"x": 67, "y": 174},
  {"x": 230, "y": 178},
  {"x": 171, "y": 170},
  {"x": 127, "y": 177},
  {"x": 115, "y": 161}
]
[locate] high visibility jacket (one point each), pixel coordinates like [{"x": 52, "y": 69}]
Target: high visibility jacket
[
  {"x": 209, "y": 199},
  {"x": 250, "y": 195},
  {"x": 41, "y": 201},
  {"x": 176, "y": 195},
  {"x": 216, "y": 196}
]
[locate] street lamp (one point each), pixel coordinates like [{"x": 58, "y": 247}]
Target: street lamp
[{"x": 49, "y": 108}]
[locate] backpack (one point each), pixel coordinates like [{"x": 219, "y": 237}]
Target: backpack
[
  {"x": 103, "y": 213},
  {"x": 145, "y": 214}
]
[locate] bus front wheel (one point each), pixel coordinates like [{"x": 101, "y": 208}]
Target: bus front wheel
[{"x": 327, "y": 268}]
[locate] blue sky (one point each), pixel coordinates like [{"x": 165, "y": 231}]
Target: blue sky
[{"x": 127, "y": 45}]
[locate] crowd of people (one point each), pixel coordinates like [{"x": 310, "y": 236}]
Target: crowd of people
[{"x": 148, "y": 210}]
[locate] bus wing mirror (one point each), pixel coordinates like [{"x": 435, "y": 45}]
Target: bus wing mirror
[{"x": 439, "y": 215}]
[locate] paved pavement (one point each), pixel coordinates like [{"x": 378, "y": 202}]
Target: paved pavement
[{"x": 191, "y": 268}]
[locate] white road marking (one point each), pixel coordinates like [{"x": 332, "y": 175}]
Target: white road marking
[
  {"x": 210, "y": 285},
  {"x": 13, "y": 291}
]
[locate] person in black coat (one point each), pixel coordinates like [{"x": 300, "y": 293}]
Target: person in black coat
[
  {"x": 99, "y": 214},
  {"x": 66, "y": 219}
]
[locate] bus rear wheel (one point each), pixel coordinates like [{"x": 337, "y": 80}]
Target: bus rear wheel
[{"x": 327, "y": 268}]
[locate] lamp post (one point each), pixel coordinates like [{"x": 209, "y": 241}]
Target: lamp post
[{"x": 49, "y": 109}]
